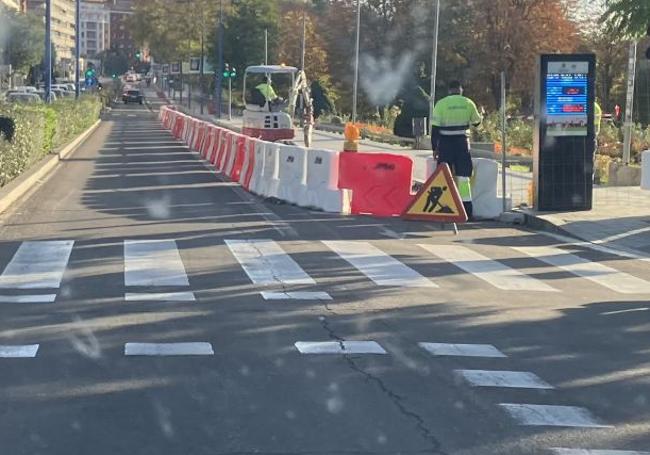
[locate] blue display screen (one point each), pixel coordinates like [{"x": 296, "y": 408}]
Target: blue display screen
[{"x": 566, "y": 103}]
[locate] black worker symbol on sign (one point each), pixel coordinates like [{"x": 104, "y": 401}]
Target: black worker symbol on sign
[{"x": 433, "y": 201}]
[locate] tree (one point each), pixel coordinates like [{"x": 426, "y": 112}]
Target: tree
[
  {"x": 290, "y": 44},
  {"x": 508, "y": 35},
  {"x": 628, "y": 17},
  {"x": 115, "y": 62},
  {"x": 24, "y": 40}
]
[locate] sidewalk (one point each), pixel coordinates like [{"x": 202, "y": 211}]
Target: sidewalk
[{"x": 620, "y": 219}]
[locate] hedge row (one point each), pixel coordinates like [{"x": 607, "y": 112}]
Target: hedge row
[{"x": 40, "y": 129}]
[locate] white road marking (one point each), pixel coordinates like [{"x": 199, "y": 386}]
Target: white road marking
[
  {"x": 167, "y": 349},
  {"x": 593, "y": 271},
  {"x": 554, "y": 416},
  {"x": 462, "y": 350},
  {"x": 266, "y": 263},
  {"x": 19, "y": 351},
  {"x": 381, "y": 268},
  {"x": 507, "y": 379},
  {"x": 38, "y": 264},
  {"x": 339, "y": 347},
  {"x": 170, "y": 142},
  {"x": 37, "y": 298},
  {"x": 560, "y": 451},
  {"x": 495, "y": 273},
  {"x": 153, "y": 263},
  {"x": 631, "y": 310},
  {"x": 159, "y": 296},
  {"x": 296, "y": 295}
]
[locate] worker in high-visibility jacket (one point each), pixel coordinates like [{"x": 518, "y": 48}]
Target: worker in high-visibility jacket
[
  {"x": 267, "y": 91},
  {"x": 450, "y": 127}
]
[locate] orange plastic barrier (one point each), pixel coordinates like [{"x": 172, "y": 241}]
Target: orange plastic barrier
[{"x": 380, "y": 182}]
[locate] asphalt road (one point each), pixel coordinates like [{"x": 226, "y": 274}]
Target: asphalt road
[{"x": 136, "y": 241}]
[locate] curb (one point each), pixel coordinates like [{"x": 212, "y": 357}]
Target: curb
[{"x": 22, "y": 184}]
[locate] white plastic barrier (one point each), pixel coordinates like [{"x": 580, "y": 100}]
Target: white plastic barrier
[
  {"x": 645, "y": 170},
  {"x": 485, "y": 203},
  {"x": 258, "y": 168},
  {"x": 322, "y": 181},
  {"x": 268, "y": 185},
  {"x": 292, "y": 174}
]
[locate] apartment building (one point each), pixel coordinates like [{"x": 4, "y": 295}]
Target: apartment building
[
  {"x": 63, "y": 26},
  {"x": 95, "y": 28}
]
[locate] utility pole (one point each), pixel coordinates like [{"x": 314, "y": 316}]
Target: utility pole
[
  {"x": 219, "y": 71},
  {"x": 629, "y": 104},
  {"x": 266, "y": 46},
  {"x": 304, "y": 38},
  {"x": 48, "y": 51},
  {"x": 356, "y": 65},
  {"x": 434, "y": 60},
  {"x": 77, "y": 50}
]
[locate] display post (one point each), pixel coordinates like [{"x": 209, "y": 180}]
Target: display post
[{"x": 564, "y": 135}]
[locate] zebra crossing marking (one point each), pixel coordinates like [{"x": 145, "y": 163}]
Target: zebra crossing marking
[
  {"x": 495, "y": 273},
  {"x": 37, "y": 298},
  {"x": 381, "y": 268},
  {"x": 462, "y": 350},
  {"x": 601, "y": 274},
  {"x": 553, "y": 416},
  {"x": 296, "y": 295},
  {"x": 561, "y": 451},
  {"x": 266, "y": 263},
  {"x": 18, "y": 351},
  {"x": 159, "y": 296},
  {"x": 339, "y": 347},
  {"x": 168, "y": 349},
  {"x": 37, "y": 265},
  {"x": 505, "y": 379},
  {"x": 153, "y": 263}
]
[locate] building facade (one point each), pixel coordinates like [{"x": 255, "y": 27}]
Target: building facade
[
  {"x": 63, "y": 26},
  {"x": 12, "y": 4},
  {"x": 120, "y": 37},
  {"x": 95, "y": 28}
]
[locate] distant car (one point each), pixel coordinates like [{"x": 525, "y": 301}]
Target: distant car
[
  {"x": 24, "y": 98},
  {"x": 41, "y": 93},
  {"x": 130, "y": 78},
  {"x": 138, "y": 76},
  {"x": 132, "y": 96},
  {"x": 24, "y": 89}
]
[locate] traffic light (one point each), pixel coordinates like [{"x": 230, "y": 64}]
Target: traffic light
[
  {"x": 114, "y": 76},
  {"x": 138, "y": 55},
  {"x": 228, "y": 72}
]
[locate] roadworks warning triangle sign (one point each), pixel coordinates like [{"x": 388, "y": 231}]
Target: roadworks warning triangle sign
[{"x": 438, "y": 200}]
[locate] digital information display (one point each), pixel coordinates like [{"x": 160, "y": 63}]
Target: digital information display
[{"x": 566, "y": 98}]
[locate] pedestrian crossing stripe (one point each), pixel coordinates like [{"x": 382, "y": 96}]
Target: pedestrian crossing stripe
[{"x": 438, "y": 200}]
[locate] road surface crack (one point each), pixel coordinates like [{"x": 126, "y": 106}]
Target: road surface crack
[{"x": 397, "y": 400}]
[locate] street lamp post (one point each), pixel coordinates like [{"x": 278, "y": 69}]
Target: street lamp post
[
  {"x": 77, "y": 49},
  {"x": 355, "y": 89},
  {"x": 48, "y": 51},
  {"x": 219, "y": 72},
  {"x": 434, "y": 60}
]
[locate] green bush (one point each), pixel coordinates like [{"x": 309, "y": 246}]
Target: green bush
[{"x": 40, "y": 129}]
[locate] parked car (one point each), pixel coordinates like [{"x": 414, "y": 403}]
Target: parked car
[
  {"x": 41, "y": 93},
  {"x": 132, "y": 96},
  {"x": 24, "y": 89},
  {"x": 24, "y": 98}
]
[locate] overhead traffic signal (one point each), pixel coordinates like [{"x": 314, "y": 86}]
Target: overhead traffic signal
[{"x": 138, "y": 55}]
